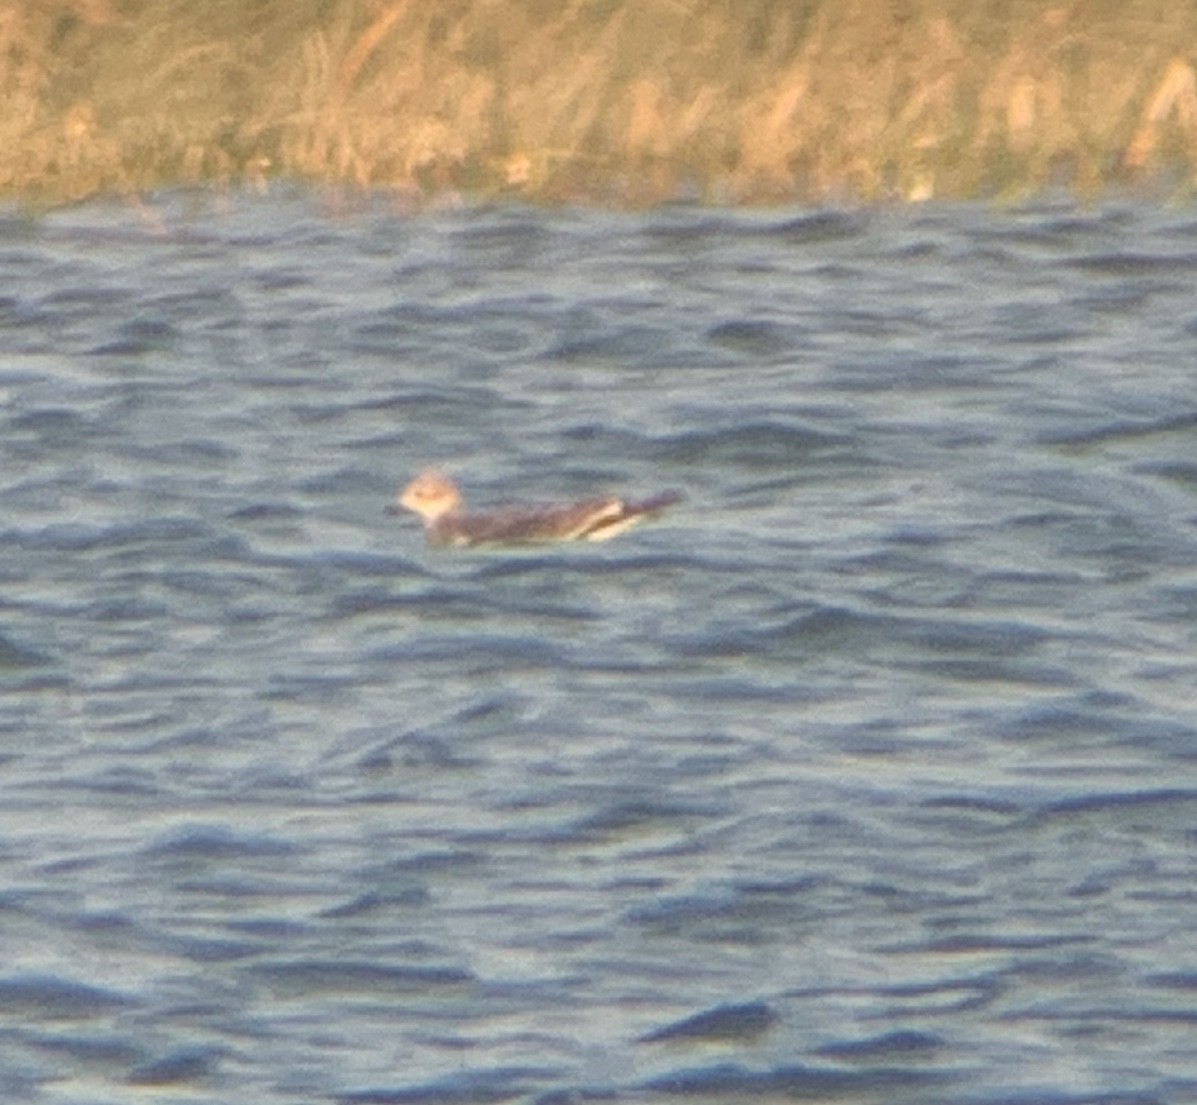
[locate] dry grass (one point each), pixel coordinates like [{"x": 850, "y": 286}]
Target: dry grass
[{"x": 609, "y": 101}]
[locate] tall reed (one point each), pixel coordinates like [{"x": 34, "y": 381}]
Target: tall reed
[{"x": 609, "y": 101}]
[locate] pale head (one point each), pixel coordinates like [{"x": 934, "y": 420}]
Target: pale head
[{"x": 431, "y": 496}]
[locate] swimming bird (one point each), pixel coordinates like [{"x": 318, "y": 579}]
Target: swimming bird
[{"x": 435, "y": 498}]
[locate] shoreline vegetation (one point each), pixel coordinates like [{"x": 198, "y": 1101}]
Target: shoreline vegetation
[{"x": 622, "y": 103}]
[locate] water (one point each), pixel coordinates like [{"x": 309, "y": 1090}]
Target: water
[{"x": 870, "y": 775}]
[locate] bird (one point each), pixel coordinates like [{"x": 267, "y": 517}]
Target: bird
[{"x": 436, "y": 499}]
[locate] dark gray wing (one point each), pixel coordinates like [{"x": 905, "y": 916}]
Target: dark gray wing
[{"x": 590, "y": 520}]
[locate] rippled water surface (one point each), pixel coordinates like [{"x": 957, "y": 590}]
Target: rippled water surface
[{"x": 868, "y": 775}]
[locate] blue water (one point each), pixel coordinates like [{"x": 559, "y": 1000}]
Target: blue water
[{"x": 868, "y": 775}]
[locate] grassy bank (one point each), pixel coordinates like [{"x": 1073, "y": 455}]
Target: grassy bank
[{"x": 609, "y": 101}]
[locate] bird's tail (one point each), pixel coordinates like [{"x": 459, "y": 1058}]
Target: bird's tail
[{"x": 654, "y": 505}]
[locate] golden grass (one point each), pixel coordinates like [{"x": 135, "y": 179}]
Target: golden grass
[{"x": 608, "y": 101}]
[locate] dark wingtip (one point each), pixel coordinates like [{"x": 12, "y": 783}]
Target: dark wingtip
[{"x": 659, "y": 502}]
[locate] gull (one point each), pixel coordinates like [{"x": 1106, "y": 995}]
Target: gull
[{"x": 435, "y": 498}]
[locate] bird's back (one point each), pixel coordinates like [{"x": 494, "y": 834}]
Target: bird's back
[{"x": 588, "y": 520}]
